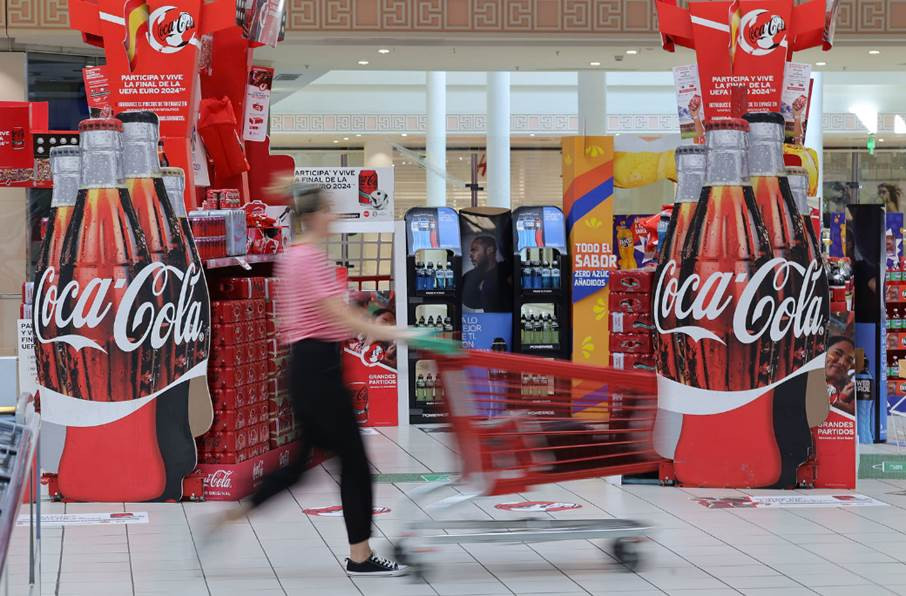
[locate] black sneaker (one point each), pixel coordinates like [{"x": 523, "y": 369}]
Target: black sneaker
[{"x": 375, "y": 566}]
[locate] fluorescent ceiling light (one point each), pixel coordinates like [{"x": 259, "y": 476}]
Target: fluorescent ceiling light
[
  {"x": 867, "y": 115},
  {"x": 874, "y": 52},
  {"x": 632, "y": 52},
  {"x": 594, "y": 64},
  {"x": 383, "y": 51},
  {"x": 363, "y": 63},
  {"x": 820, "y": 63}
]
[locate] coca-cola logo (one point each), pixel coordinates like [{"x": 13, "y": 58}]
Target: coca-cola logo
[
  {"x": 755, "y": 314},
  {"x": 761, "y": 32},
  {"x": 170, "y": 30},
  {"x": 284, "y": 458},
  {"x": 258, "y": 470},
  {"x": 136, "y": 320},
  {"x": 220, "y": 479}
]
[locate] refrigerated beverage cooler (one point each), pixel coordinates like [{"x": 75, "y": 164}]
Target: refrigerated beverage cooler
[
  {"x": 433, "y": 266},
  {"x": 540, "y": 280}
]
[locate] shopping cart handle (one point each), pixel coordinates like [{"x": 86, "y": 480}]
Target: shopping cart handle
[{"x": 430, "y": 342}]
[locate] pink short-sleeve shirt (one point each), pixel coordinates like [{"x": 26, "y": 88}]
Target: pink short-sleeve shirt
[{"x": 306, "y": 279}]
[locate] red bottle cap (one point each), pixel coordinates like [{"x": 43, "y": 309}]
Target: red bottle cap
[
  {"x": 727, "y": 124},
  {"x": 100, "y": 124}
]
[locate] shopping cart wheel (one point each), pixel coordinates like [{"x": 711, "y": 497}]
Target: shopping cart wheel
[
  {"x": 403, "y": 554},
  {"x": 626, "y": 552}
]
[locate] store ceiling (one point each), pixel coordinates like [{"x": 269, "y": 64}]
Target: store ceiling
[{"x": 426, "y": 54}]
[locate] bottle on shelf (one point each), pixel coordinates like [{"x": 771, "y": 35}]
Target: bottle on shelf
[
  {"x": 420, "y": 388},
  {"x": 555, "y": 331},
  {"x": 555, "y": 272},
  {"x": 449, "y": 277},
  {"x": 448, "y": 328},
  {"x": 430, "y": 277},
  {"x": 523, "y": 322},
  {"x": 419, "y": 275},
  {"x": 546, "y": 275}
]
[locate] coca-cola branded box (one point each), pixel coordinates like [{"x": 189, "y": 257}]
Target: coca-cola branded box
[
  {"x": 632, "y": 280},
  {"x": 631, "y": 343},
  {"x": 638, "y": 362},
  {"x": 627, "y": 302},
  {"x": 638, "y": 322}
]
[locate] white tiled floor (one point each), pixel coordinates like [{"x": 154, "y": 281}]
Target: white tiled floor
[{"x": 282, "y": 551}]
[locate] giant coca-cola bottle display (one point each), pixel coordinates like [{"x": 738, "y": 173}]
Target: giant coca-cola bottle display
[
  {"x": 103, "y": 315},
  {"x": 798, "y": 270},
  {"x": 671, "y": 350},
  {"x": 167, "y": 245},
  {"x": 738, "y": 305}
]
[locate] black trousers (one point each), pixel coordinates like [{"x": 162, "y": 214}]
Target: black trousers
[{"x": 323, "y": 407}]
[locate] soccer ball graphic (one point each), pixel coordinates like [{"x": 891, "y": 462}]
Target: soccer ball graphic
[{"x": 379, "y": 199}]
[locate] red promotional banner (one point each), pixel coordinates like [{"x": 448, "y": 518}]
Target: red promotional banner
[
  {"x": 745, "y": 44},
  {"x": 97, "y": 89},
  {"x": 153, "y": 65},
  {"x": 370, "y": 368}
]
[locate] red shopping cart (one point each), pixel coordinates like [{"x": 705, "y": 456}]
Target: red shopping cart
[{"x": 523, "y": 421}]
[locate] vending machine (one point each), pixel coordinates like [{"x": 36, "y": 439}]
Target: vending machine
[
  {"x": 541, "y": 282},
  {"x": 487, "y": 278},
  {"x": 433, "y": 270}
]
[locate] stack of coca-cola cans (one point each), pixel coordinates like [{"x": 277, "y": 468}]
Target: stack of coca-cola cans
[
  {"x": 219, "y": 232},
  {"x": 280, "y": 412},
  {"x": 239, "y": 372},
  {"x": 631, "y": 329}
]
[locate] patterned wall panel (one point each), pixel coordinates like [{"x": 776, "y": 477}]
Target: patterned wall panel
[
  {"x": 543, "y": 124},
  {"x": 508, "y": 17}
]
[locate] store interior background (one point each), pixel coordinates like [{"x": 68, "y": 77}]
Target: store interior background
[{"x": 350, "y": 95}]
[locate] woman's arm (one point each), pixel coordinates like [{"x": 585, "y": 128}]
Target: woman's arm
[{"x": 358, "y": 321}]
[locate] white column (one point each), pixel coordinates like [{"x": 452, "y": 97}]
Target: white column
[
  {"x": 814, "y": 132},
  {"x": 378, "y": 153},
  {"x": 498, "y": 140},
  {"x": 592, "y": 95},
  {"x": 436, "y": 141}
]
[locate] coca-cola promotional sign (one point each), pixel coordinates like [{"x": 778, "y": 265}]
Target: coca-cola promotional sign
[
  {"x": 151, "y": 47},
  {"x": 746, "y": 48}
]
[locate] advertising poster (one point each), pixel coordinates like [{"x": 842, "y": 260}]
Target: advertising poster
[
  {"x": 633, "y": 247},
  {"x": 257, "y": 103},
  {"x": 152, "y": 56},
  {"x": 751, "y": 56},
  {"x": 794, "y": 99},
  {"x": 835, "y": 438},
  {"x": 429, "y": 228},
  {"x": 588, "y": 182},
  {"x": 97, "y": 89},
  {"x": 370, "y": 368},
  {"x": 487, "y": 278},
  {"x": 540, "y": 227},
  {"x": 689, "y": 102},
  {"x": 359, "y": 194}
]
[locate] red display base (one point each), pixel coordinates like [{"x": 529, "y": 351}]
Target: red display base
[
  {"x": 221, "y": 482},
  {"x": 231, "y": 482}
]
